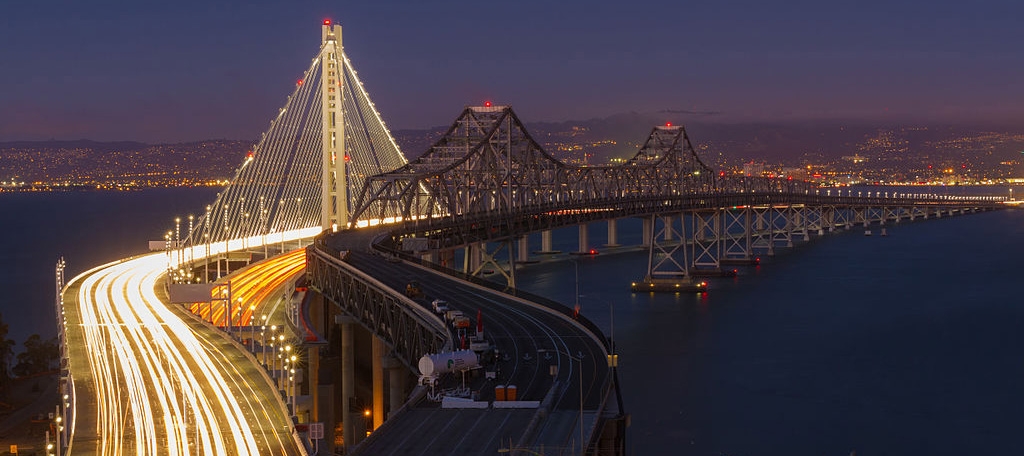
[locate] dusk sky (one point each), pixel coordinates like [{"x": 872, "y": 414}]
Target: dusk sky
[{"x": 192, "y": 70}]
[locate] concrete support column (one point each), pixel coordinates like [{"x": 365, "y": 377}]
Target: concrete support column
[
  {"x": 378, "y": 382},
  {"x": 545, "y": 241},
  {"x": 348, "y": 380},
  {"x": 613, "y": 233},
  {"x": 471, "y": 260},
  {"x": 667, "y": 220},
  {"x": 523, "y": 245},
  {"x": 584, "y": 239},
  {"x": 648, "y": 231},
  {"x": 396, "y": 383},
  {"x": 313, "y": 355}
]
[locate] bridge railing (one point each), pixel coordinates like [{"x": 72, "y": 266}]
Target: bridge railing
[
  {"x": 411, "y": 331},
  {"x": 389, "y": 244}
]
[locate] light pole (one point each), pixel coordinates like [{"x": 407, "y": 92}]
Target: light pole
[
  {"x": 280, "y": 355},
  {"x": 580, "y": 362},
  {"x": 291, "y": 383},
  {"x": 241, "y": 315},
  {"x": 263, "y": 341},
  {"x": 576, "y": 307},
  {"x": 252, "y": 326},
  {"x": 284, "y": 362}
]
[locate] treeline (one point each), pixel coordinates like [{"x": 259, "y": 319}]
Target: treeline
[{"x": 38, "y": 356}]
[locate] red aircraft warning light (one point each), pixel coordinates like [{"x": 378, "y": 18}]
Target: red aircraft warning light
[
  {"x": 327, "y": 22},
  {"x": 487, "y": 104},
  {"x": 668, "y": 124}
]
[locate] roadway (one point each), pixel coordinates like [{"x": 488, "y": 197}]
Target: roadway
[
  {"x": 528, "y": 339},
  {"x": 150, "y": 379},
  {"x": 253, "y": 291}
]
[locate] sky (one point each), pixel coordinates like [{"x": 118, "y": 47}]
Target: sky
[{"x": 193, "y": 70}]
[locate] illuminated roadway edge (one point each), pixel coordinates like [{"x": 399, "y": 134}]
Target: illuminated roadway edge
[
  {"x": 515, "y": 326},
  {"x": 150, "y": 379}
]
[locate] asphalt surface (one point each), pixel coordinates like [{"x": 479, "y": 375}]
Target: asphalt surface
[
  {"x": 528, "y": 340},
  {"x": 153, "y": 379}
]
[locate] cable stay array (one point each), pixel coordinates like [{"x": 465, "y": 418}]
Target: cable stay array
[{"x": 278, "y": 187}]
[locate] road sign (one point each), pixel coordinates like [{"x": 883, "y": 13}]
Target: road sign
[{"x": 316, "y": 431}]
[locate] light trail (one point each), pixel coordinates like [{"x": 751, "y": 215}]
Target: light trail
[
  {"x": 252, "y": 288},
  {"x": 160, "y": 386}
]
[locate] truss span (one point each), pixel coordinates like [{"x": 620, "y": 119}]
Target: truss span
[{"x": 487, "y": 163}]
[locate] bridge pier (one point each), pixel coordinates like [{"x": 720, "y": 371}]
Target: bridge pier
[
  {"x": 737, "y": 237},
  {"x": 348, "y": 379},
  {"x": 584, "y": 240},
  {"x": 377, "y": 347},
  {"x": 707, "y": 241},
  {"x": 648, "y": 231},
  {"x": 397, "y": 375},
  {"x": 471, "y": 259},
  {"x": 667, "y": 220},
  {"x": 546, "y": 243},
  {"x": 613, "y": 233},
  {"x": 523, "y": 245}
]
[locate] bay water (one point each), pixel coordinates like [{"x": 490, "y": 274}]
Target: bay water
[{"x": 906, "y": 344}]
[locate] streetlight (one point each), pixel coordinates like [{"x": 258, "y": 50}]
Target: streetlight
[
  {"x": 291, "y": 383},
  {"x": 241, "y": 315},
  {"x": 252, "y": 326},
  {"x": 263, "y": 341},
  {"x": 273, "y": 350},
  {"x": 576, "y": 307},
  {"x": 288, "y": 353},
  {"x": 580, "y": 361}
]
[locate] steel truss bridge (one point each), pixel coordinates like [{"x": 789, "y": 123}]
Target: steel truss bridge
[
  {"x": 486, "y": 185},
  {"x": 327, "y": 164},
  {"x": 487, "y": 181}
]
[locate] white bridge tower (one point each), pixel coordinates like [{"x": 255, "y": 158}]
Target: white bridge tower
[{"x": 335, "y": 181}]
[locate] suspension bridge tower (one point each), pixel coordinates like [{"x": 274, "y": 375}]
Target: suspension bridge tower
[{"x": 334, "y": 194}]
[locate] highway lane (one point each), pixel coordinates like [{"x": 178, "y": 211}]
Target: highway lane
[
  {"x": 253, "y": 290},
  {"x": 151, "y": 380},
  {"x": 521, "y": 331}
]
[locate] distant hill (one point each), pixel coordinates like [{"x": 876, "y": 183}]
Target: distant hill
[
  {"x": 99, "y": 146},
  {"x": 719, "y": 141},
  {"x": 727, "y": 145},
  {"x": 85, "y": 161}
]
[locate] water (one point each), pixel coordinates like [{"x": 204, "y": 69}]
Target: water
[
  {"x": 906, "y": 344},
  {"x": 87, "y": 228}
]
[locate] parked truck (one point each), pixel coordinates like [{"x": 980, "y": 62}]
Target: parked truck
[{"x": 433, "y": 365}]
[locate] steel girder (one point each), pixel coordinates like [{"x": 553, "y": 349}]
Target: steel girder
[
  {"x": 405, "y": 327},
  {"x": 667, "y": 258},
  {"x": 707, "y": 238},
  {"x": 738, "y": 240},
  {"x": 487, "y": 163}
]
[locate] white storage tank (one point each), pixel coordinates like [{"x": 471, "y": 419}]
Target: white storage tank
[{"x": 442, "y": 363}]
